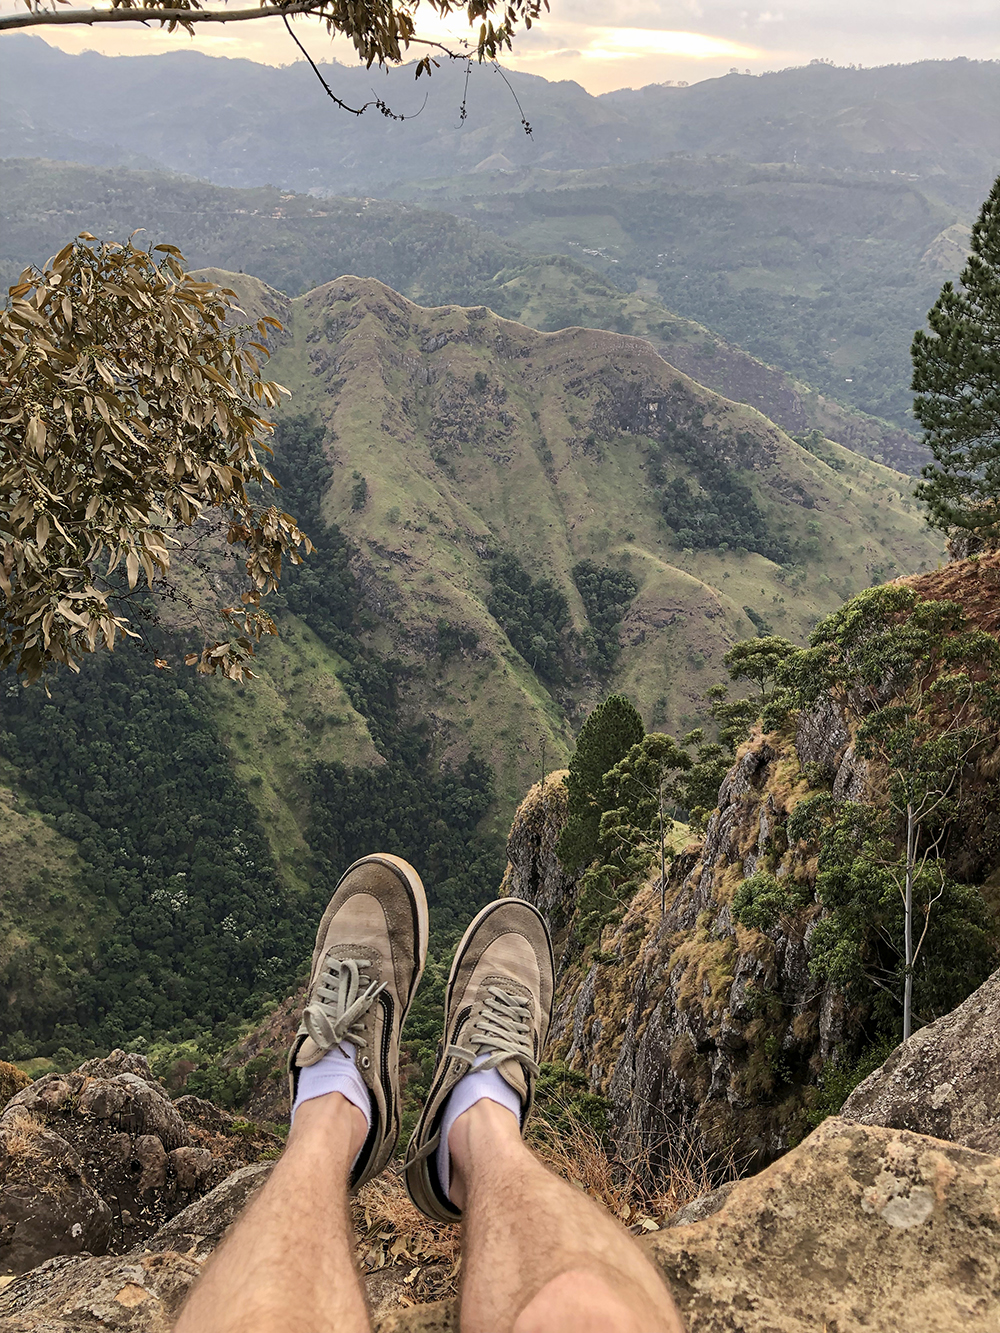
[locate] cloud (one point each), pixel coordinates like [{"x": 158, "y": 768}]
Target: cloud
[{"x": 632, "y": 43}]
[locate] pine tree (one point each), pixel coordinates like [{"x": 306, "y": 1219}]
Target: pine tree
[
  {"x": 956, "y": 378},
  {"x": 605, "y": 738}
]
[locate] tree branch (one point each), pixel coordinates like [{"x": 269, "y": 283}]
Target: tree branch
[{"x": 184, "y": 16}]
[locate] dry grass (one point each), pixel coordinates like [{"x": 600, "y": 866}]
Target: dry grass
[
  {"x": 20, "y": 1135},
  {"x": 641, "y": 1192},
  {"x": 642, "y": 1189}
]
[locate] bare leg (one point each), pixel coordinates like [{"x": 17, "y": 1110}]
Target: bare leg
[
  {"x": 287, "y": 1266},
  {"x": 540, "y": 1256}
]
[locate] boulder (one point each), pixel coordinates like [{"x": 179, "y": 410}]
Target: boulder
[
  {"x": 46, "y": 1205},
  {"x": 857, "y": 1230},
  {"x": 944, "y": 1081}
]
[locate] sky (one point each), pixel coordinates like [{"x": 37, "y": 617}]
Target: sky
[{"x": 608, "y": 44}]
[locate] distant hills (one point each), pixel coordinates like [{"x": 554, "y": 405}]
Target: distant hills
[
  {"x": 238, "y": 123},
  {"x": 807, "y": 216}
]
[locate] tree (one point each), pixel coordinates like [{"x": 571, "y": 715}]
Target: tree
[
  {"x": 382, "y": 31},
  {"x": 956, "y": 378},
  {"x": 927, "y": 689},
  {"x": 130, "y": 408},
  {"x": 605, "y": 738},
  {"x": 758, "y": 660},
  {"x": 638, "y": 792}
]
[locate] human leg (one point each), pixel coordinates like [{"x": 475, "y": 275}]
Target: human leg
[
  {"x": 287, "y": 1266},
  {"x": 288, "y": 1263},
  {"x": 538, "y": 1255}
]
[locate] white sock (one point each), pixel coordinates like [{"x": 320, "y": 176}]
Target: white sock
[
  {"x": 472, "y": 1088},
  {"x": 336, "y": 1071}
]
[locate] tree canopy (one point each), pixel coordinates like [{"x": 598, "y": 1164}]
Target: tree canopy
[
  {"x": 131, "y": 406},
  {"x": 605, "y": 738},
  {"x": 956, "y": 377}
]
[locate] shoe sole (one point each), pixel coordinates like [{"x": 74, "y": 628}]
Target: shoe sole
[
  {"x": 418, "y": 897},
  {"x": 420, "y": 1190}
]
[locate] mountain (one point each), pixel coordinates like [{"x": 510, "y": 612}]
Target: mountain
[
  {"x": 823, "y": 272},
  {"x": 295, "y": 242},
  {"x": 509, "y": 524},
  {"x": 228, "y": 120}
]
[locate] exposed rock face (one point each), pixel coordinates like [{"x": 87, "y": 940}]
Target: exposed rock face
[
  {"x": 944, "y": 1081},
  {"x": 533, "y": 869},
  {"x": 856, "y": 1229},
  {"x": 688, "y": 1021},
  {"x": 97, "y": 1160}
]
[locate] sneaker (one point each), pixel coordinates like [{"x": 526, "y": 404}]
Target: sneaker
[
  {"x": 371, "y": 947},
  {"x": 498, "y": 1004}
]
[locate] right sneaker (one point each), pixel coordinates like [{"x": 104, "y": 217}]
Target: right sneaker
[
  {"x": 498, "y": 1007},
  {"x": 371, "y": 947}
]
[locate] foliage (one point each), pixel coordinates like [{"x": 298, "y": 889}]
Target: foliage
[
  {"x": 123, "y": 760},
  {"x": 956, "y": 378},
  {"x": 838, "y": 1078},
  {"x": 381, "y": 31},
  {"x": 761, "y": 899},
  {"x": 429, "y": 818},
  {"x": 758, "y": 660},
  {"x": 640, "y": 794},
  {"x": 698, "y": 789},
  {"x": 760, "y": 624},
  {"x": 605, "y": 738},
  {"x": 128, "y": 412},
  {"x": 722, "y": 511},
  {"x": 534, "y": 613},
  {"x": 858, "y": 943},
  {"x": 606, "y": 594}
]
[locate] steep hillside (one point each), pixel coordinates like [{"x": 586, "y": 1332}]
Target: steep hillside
[
  {"x": 696, "y": 1022},
  {"x": 477, "y": 438},
  {"x": 508, "y": 524},
  {"x": 295, "y": 242}
]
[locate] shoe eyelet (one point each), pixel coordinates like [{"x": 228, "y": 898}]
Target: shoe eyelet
[{"x": 365, "y": 1062}]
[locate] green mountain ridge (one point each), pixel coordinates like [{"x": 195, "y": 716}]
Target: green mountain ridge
[{"x": 293, "y": 242}]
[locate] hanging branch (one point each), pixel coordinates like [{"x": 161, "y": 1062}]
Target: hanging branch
[{"x": 376, "y": 101}]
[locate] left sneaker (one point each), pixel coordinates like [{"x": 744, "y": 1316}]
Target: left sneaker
[{"x": 371, "y": 947}]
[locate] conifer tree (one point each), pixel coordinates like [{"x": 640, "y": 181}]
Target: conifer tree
[
  {"x": 956, "y": 378},
  {"x": 605, "y": 738}
]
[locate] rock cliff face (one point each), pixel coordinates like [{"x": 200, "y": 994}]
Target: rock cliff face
[{"x": 688, "y": 1020}]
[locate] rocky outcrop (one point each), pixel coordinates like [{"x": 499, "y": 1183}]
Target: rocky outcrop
[
  {"x": 99, "y": 1159},
  {"x": 688, "y": 1023},
  {"x": 944, "y": 1081},
  {"x": 533, "y": 869},
  {"x": 857, "y": 1228}
]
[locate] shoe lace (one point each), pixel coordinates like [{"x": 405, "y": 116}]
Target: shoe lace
[
  {"x": 503, "y": 1029},
  {"x": 344, "y": 994}
]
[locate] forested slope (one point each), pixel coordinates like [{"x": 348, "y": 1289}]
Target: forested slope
[{"x": 508, "y": 524}]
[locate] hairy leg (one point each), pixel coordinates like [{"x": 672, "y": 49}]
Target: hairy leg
[
  {"x": 539, "y": 1255},
  {"x": 288, "y": 1264}
]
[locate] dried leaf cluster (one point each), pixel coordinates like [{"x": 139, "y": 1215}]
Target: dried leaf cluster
[{"x": 130, "y": 405}]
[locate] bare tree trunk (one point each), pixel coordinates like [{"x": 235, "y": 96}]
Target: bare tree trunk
[
  {"x": 911, "y": 857},
  {"x": 663, "y": 871}
]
